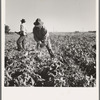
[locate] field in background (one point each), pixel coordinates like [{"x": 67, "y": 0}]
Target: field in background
[{"x": 74, "y": 65}]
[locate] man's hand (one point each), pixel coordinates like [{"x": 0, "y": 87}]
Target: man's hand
[
  {"x": 42, "y": 44},
  {"x": 17, "y": 33}
]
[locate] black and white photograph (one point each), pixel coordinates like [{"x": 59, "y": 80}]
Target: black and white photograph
[
  {"x": 49, "y": 49},
  {"x": 50, "y": 43}
]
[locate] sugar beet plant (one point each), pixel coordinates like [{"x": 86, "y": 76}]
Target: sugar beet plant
[{"x": 74, "y": 64}]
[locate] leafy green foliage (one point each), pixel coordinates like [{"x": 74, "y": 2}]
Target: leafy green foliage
[{"x": 73, "y": 66}]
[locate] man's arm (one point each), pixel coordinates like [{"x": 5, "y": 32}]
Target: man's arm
[
  {"x": 35, "y": 37},
  {"x": 25, "y": 30},
  {"x": 47, "y": 36},
  {"x": 45, "y": 33},
  {"x": 17, "y": 33}
]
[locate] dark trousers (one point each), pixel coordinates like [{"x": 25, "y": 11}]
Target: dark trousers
[{"x": 21, "y": 42}]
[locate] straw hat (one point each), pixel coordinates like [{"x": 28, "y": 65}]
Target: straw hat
[{"x": 38, "y": 22}]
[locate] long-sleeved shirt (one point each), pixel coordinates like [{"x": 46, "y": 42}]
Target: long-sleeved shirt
[
  {"x": 40, "y": 33},
  {"x": 23, "y": 29}
]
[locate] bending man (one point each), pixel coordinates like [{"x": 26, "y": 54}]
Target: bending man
[{"x": 41, "y": 36}]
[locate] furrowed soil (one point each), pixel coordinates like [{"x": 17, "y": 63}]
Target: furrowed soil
[{"x": 74, "y": 64}]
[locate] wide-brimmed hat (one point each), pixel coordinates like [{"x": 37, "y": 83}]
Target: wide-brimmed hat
[
  {"x": 23, "y": 20},
  {"x": 38, "y": 22}
]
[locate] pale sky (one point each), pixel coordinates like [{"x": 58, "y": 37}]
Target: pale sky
[{"x": 57, "y": 15}]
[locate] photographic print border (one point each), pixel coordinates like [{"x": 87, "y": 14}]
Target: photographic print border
[{"x": 38, "y": 89}]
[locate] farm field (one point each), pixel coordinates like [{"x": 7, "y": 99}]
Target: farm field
[{"x": 74, "y": 64}]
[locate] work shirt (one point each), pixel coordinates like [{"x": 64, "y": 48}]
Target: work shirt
[
  {"x": 40, "y": 33},
  {"x": 23, "y": 29}
]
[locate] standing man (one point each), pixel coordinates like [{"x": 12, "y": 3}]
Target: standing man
[
  {"x": 23, "y": 34},
  {"x": 41, "y": 36}
]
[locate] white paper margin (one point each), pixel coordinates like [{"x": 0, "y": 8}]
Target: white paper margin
[{"x": 42, "y": 93}]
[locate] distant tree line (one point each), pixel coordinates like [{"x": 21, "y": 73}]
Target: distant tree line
[
  {"x": 87, "y": 31},
  {"x": 92, "y": 31},
  {"x": 7, "y": 29}
]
